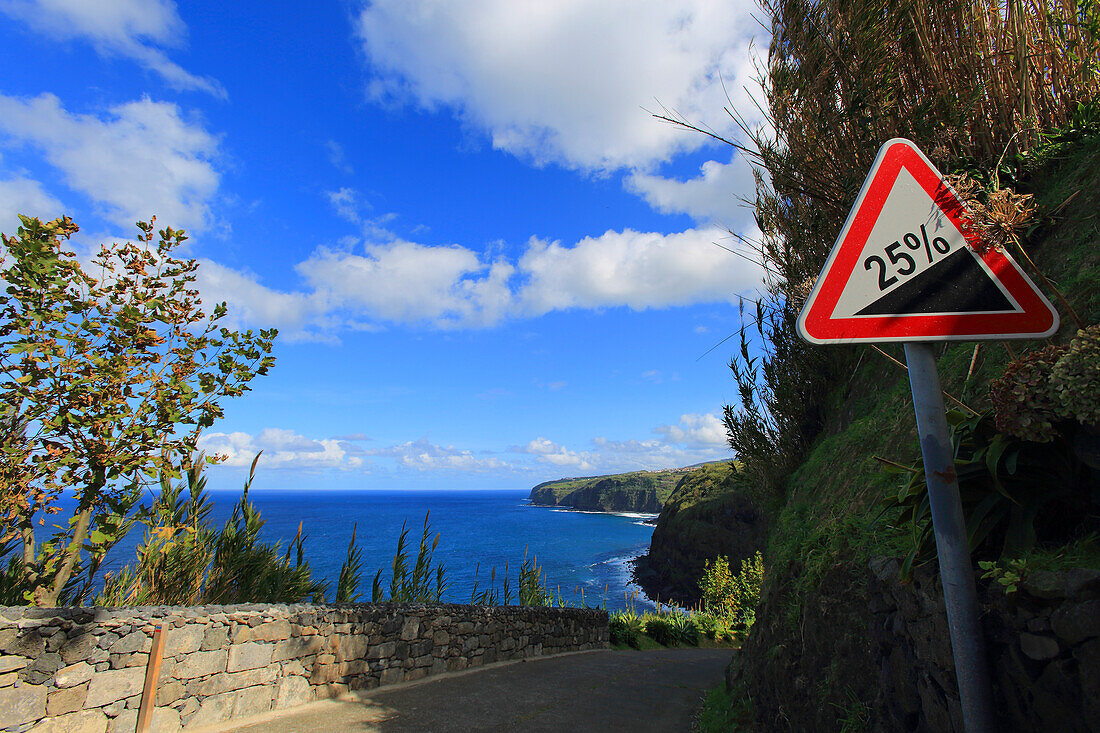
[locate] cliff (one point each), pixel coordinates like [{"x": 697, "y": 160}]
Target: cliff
[
  {"x": 710, "y": 513},
  {"x": 639, "y": 491}
]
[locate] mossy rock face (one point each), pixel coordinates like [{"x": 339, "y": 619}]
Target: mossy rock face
[
  {"x": 814, "y": 675},
  {"x": 639, "y": 491},
  {"x": 711, "y": 513},
  {"x": 809, "y": 662}
]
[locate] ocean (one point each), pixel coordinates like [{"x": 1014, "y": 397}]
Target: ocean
[{"x": 585, "y": 556}]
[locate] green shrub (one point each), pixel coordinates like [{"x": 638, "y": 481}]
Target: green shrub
[
  {"x": 183, "y": 561},
  {"x": 671, "y": 628},
  {"x": 424, "y": 582},
  {"x": 347, "y": 585},
  {"x": 13, "y": 579},
  {"x": 714, "y": 627},
  {"x": 1015, "y": 493},
  {"x": 625, "y": 627},
  {"x": 732, "y": 598},
  {"x": 531, "y": 585},
  {"x": 1076, "y": 377},
  {"x": 658, "y": 628},
  {"x": 1042, "y": 391},
  {"x": 1024, "y": 403},
  {"x": 682, "y": 629},
  {"x": 716, "y": 587}
]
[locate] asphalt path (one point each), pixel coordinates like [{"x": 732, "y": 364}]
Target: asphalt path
[{"x": 603, "y": 690}]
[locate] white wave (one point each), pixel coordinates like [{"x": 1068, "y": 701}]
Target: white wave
[{"x": 627, "y": 515}]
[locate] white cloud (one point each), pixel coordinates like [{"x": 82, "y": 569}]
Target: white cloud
[
  {"x": 547, "y": 451},
  {"x": 282, "y": 449},
  {"x": 695, "y": 439},
  {"x": 649, "y": 455},
  {"x": 345, "y": 202},
  {"x": 423, "y": 455},
  {"x": 140, "y": 159},
  {"x": 129, "y": 28},
  {"x": 413, "y": 283},
  {"x": 20, "y": 195},
  {"x": 298, "y": 316},
  {"x": 540, "y": 446},
  {"x": 695, "y": 431},
  {"x": 338, "y": 157},
  {"x": 564, "y": 81},
  {"x": 288, "y": 449},
  {"x": 349, "y": 205},
  {"x": 448, "y": 287},
  {"x": 639, "y": 270},
  {"x": 717, "y": 195}
]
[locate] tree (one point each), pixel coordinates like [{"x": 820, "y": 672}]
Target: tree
[{"x": 106, "y": 383}]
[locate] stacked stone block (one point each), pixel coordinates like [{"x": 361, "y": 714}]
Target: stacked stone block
[
  {"x": 1043, "y": 644},
  {"x": 83, "y": 669}
]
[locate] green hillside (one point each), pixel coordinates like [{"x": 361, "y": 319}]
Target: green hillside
[
  {"x": 837, "y": 514},
  {"x": 712, "y": 512},
  {"x": 850, "y": 632},
  {"x": 637, "y": 491}
]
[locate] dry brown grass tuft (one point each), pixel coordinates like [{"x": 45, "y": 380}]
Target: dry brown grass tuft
[{"x": 997, "y": 218}]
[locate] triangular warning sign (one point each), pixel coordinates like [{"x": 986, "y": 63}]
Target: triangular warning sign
[{"x": 904, "y": 270}]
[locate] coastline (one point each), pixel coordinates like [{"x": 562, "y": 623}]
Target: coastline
[
  {"x": 645, "y": 578},
  {"x": 646, "y": 596},
  {"x": 648, "y": 518}
]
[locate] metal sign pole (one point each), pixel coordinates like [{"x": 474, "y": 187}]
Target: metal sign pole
[{"x": 956, "y": 571}]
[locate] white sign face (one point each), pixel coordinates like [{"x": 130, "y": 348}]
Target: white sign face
[
  {"x": 908, "y": 266},
  {"x": 912, "y": 235}
]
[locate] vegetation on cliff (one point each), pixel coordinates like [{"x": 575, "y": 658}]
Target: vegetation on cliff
[
  {"x": 839, "y": 507},
  {"x": 637, "y": 491},
  {"x": 712, "y": 513},
  {"x": 724, "y": 615},
  {"x": 1008, "y": 95}
]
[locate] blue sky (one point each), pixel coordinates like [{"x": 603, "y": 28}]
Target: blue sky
[{"x": 488, "y": 264}]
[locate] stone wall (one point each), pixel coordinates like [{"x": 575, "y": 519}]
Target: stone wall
[
  {"x": 84, "y": 669},
  {"x": 869, "y": 652},
  {"x": 1043, "y": 645}
]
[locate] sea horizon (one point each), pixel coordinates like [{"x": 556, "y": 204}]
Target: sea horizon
[{"x": 586, "y": 557}]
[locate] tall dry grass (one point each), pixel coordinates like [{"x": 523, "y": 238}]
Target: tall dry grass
[{"x": 964, "y": 79}]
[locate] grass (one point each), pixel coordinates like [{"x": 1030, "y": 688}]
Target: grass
[
  {"x": 854, "y": 715},
  {"x": 1084, "y": 552},
  {"x": 725, "y": 711},
  {"x": 643, "y": 643}
]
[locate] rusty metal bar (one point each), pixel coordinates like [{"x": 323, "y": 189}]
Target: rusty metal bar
[{"x": 152, "y": 673}]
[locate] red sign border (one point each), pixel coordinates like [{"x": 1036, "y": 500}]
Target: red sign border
[{"x": 1038, "y": 318}]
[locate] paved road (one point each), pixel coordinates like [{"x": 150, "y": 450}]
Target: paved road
[{"x": 626, "y": 691}]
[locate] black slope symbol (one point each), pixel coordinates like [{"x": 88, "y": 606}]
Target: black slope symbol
[{"x": 955, "y": 284}]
